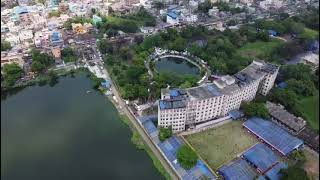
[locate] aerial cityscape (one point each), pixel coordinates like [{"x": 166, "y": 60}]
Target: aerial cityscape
[{"x": 160, "y": 89}]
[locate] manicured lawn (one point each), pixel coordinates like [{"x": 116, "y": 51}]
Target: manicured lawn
[
  {"x": 260, "y": 48},
  {"x": 309, "y": 106},
  {"x": 309, "y": 34},
  {"x": 220, "y": 145}
]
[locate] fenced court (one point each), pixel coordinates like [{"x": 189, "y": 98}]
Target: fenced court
[{"x": 220, "y": 145}]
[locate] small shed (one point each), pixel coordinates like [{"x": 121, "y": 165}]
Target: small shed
[
  {"x": 272, "y": 32},
  {"x": 106, "y": 84}
]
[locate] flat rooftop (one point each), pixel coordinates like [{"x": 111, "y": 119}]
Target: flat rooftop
[
  {"x": 203, "y": 92},
  {"x": 273, "y": 135},
  {"x": 171, "y": 104},
  {"x": 279, "y": 113}
]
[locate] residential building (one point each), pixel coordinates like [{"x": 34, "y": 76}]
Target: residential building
[
  {"x": 13, "y": 39},
  {"x": 56, "y": 38},
  {"x": 78, "y": 28},
  {"x": 311, "y": 59},
  {"x": 56, "y": 51},
  {"x": 96, "y": 19},
  {"x": 284, "y": 118},
  {"x": 11, "y": 57},
  {"x": 42, "y": 38},
  {"x": 26, "y": 36},
  {"x": 183, "y": 108}
]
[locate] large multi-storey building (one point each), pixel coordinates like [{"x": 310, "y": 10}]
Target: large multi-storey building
[{"x": 180, "y": 108}]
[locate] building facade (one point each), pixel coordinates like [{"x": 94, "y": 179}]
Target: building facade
[{"x": 183, "y": 108}]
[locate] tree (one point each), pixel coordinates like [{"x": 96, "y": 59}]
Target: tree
[
  {"x": 68, "y": 55},
  {"x": 301, "y": 87},
  {"x": 158, "y": 4},
  {"x": 255, "y": 109},
  {"x": 93, "y": 10},
  {"x": 186, "y": 157},
  {"x": 298, "y": 72},
  {"x": 263, "y": 35},
  {"x": 205, "y": 6},
  {"x": 53, "y": 78},
  {"x": 40, "y": 61},
  {"x": 294, "y": 173},
  {"x": 298, "y": 156},
  {"x": 165, "y": 133},
  {"x": 5, "y": 45},
  {"x": 11, "y": 72},
  {"x": 37, "y": 66},
  {"x": 179, "y": 44},
  {"x": 105, "y": 47},
  {"x": 287, "y": 98}
]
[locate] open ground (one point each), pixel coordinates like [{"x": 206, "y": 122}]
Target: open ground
[{"x": 222, "y": 144}]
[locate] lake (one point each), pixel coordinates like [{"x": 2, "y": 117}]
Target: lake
[
  {"x": 177, "y": 65},
  {"x": 63, "y": 133}
]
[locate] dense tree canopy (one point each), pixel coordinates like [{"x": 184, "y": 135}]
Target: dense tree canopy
[
  {"x": 252, "y": 109},
  {"x": 11, "y": 72},
  {"x": 294, "y": 173},
  {"x": 186, "y": 157},
  {"x": 40, "y": 61},
  {"x": 5, "y": 45},
  {"x": 68, "y": 55},
  {"x": 165, "y": 133}
]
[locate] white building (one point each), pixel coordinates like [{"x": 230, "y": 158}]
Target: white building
[
  {"x": 26, "y": 36},
  {"x": 188, "y": 107},
  {"x": 311, "y": 59},
  {"x": 13, "y": 39},
  {"x": 172, "y": 18}
]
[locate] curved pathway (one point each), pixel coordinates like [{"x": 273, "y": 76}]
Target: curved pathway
[{"x": 154, "y": 56}]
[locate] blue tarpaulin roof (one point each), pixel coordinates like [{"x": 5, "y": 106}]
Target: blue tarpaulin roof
[
  {"x": 214, "y": 90},
  {"x": 20, "y": 9},
  {"x": 171, "y": 104},
  {"x": 172, "y": 14},
  {"x": 261, "y": 156},
  {"x": 170, "y": 147},
  {"x": 314, "y": 45},
  {"x": 174, "y": 93},
  {"x": 150, "y": 127},
  {"x": 282, "y": 85},
  {"x": 274, "y": 135},
  {"x": 235, "y": 114},
  {"x": 261, "y": 178},
  {"x": 237, "y": 170},
  {"x": 106, "y": 84},
  {"x": 274, "y": 173},
  {"x": 272, "y": 32}
]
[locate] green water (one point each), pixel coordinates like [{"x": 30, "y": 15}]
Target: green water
[
  {"x": 176, "y": 65},
  {"x": 62, "y": 133}
]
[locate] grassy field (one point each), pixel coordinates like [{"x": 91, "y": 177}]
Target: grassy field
[
  {"x": 260, "y": 48},
  {"x": 312, "y": 164},
  {"x": 309, "y": 34},
  {"x": 220, "y": 145},
  {"x": 309, "y": 106}
]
